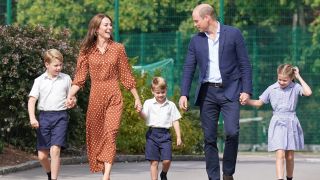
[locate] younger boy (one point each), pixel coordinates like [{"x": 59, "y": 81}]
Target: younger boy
[
  {"x": 160, "y": 114},
  {"x": 51, "y": 90}
]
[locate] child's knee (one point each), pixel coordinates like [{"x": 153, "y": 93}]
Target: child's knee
[
  {"x": 289, "y": 156},
  {"x": 43, "y": 155},
  {"x": 55, "y": 150},
  {"x": 154, "y": 163},
  {"x": 166, "y": 162}
]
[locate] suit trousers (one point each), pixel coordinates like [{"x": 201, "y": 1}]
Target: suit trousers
[{"x": 212, "y": 103}]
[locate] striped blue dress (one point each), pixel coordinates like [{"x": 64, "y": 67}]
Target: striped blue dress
[{"x": 284, "y": 131}]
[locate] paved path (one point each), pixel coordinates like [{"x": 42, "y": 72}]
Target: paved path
[{"x": 248, "y": 168}]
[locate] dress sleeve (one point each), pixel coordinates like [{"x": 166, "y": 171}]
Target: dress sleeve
[
  {"x": 298, "y": 89},
  {"x": 265, "y": 96},
  {"x": 125, "y": 72},
  {"x": 81, "y": 71}
]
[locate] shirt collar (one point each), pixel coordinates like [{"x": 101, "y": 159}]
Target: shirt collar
[
  {"x": 218, "y": 29},
  {"x": 95, "y": 48},
  {"x": 46, "y": 75},
  {"x": 277, "y": 85},
  {"x": 154, "y": 101}
]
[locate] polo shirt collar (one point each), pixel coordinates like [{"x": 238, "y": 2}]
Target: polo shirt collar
[
  {"x": 277, "y": 85},
  {"x": 46, "y": 75},
  {"x": 154, "y": 101}
]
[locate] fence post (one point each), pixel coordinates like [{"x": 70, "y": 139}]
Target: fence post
[
  {"x": 295, "y": 44},
  {"x": 178, "y": 46},
  {"x": 220, "y": 123},
  {"x": 116, "y": 20},
  {"x": 9, "y": 12},
  {"x": 142, "y": 46},
  {"x": 221, "y": 11}
]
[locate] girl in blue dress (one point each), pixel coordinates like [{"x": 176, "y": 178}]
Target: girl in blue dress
[{"x": 285, "y": 134}]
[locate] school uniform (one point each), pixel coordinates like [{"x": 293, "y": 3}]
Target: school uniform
[
  {"x": 285, "y": 131},
  {"x": 159, "y": 119},
  {"x": 51, "y": 94}
]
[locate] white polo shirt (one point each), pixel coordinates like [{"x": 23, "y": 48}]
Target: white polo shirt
[
  {"x": 51, "y": 93},
  {"x": 160, "y": 115}
]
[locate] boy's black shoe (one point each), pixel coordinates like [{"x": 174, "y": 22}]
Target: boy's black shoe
[
  {"x": 163, "y": 175},
  {"x": 49, "y": 175}
]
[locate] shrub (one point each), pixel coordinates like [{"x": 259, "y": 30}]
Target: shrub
[
  {"x": 1, "y": 146},
  {"x": 21, "y": 50}
]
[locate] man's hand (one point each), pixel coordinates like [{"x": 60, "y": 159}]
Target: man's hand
[
  {"x": 244, "y": 98},
  {"x": 183, "y": 103}
]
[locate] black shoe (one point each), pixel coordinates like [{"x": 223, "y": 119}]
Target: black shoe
[
  {"x": 49, "y": 175},
  {"x": 225, "y": 177},
  {"x": 163, "y": 175}
]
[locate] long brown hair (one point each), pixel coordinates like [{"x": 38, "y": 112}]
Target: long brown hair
[{"x": 91, "y": 37}]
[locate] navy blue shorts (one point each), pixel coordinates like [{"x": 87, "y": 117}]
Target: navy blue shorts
[
  {"x": 158, "y": 144},
  {"x": 52, "y": 129}
]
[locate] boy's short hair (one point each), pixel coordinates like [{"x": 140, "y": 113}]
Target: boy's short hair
[
  {"x": 159, "y": 82},
  {"x": 52, "y": 54}
]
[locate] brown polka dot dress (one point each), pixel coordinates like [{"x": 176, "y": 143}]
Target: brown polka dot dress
[{"x": 106, "y": 70}]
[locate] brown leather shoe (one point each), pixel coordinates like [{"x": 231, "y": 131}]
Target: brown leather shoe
[{"x": 225, "y": 177}]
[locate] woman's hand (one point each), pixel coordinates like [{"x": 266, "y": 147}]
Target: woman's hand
[
  {"x": 71, "y": 102},
  {"x": 138, "y": 105}
]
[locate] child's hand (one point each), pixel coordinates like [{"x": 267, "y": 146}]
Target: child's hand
[
  {"x": 296, "y": 71},
  {"x": 137, "y": 105},
  {"x": 179, "y": 142},
  {"x": 71, "y": 102},
  {"x": 34, "y": 123}
]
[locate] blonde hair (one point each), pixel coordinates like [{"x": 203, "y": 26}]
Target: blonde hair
[
  {"x": 159, "y": 82},
  {"x": 286, "y": 70},
  {"x": 51, "y": 55}
]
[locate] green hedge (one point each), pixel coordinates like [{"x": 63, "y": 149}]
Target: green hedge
[{"x": 21, "y": 50}]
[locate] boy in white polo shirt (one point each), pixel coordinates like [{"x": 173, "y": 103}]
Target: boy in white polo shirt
[
  {"x": 50, "y": 90},
  {"x": 160, "y": 114}
]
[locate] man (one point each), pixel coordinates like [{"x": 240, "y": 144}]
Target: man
[{"x": 225, "y": 78}]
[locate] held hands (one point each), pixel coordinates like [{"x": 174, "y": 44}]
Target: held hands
[
  {"x": 138, "y": 105},
  {"x": 244, "y": 97},
  {"x": 71, "y": 102}
]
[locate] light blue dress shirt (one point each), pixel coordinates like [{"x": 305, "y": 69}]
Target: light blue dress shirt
[{"x": 213, "y": 71}]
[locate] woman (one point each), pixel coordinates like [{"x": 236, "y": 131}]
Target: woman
[{"x": 107, "y": 64}]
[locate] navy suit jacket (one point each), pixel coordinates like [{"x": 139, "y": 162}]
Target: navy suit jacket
[{"x": 235, "y": 68}]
